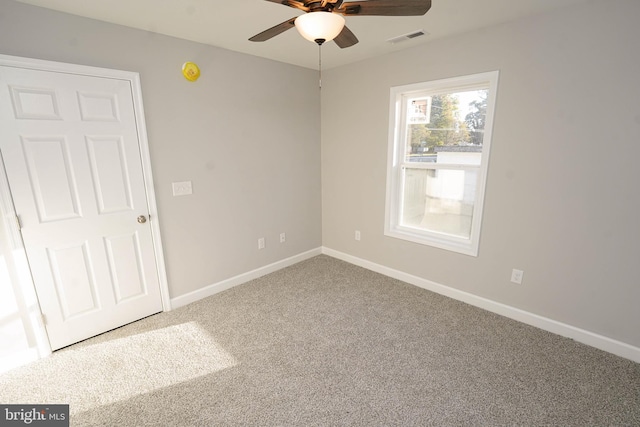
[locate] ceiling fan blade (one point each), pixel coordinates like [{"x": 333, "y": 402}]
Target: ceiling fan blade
[
  {"x": 273, "y": 31},
  {"x": 292, "y": 3},
  {"x": 385, "y": 7},
  {"x": 346, "y": 38}
]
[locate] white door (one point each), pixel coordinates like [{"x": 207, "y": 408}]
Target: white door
[{"x": 72, "y": 156}]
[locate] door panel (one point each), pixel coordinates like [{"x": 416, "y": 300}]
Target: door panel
[
  {"x": 52, "y": 183},
  {"x": 34, "y": 103},
  {"x": 73, "y": 279},
  {"x": 72, "y": 156},
  {"x": 98, "y": 107},
  {"x": 125, "y": 264},
  {"x": 109, "y": 172}
]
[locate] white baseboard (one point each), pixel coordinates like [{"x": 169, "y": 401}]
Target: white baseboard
[
  {"x": 240, "y": 279},
  {"x": 592, "y": 339}
]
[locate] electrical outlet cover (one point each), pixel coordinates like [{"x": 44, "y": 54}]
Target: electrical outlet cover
[{"x": 516, "y": 276}]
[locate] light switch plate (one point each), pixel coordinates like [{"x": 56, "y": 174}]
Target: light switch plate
[{"x": 181, "y": 188}]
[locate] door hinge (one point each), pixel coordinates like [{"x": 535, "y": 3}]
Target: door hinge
[
  {"x": 18, "y": 223},
  {"x": 43, "y": 319}
]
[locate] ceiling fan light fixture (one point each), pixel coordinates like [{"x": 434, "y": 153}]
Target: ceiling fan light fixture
[{"x": 315, "y": 26}]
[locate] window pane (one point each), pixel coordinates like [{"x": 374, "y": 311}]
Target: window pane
[
  {"x": 450, "y": 122},
  {"x": 439, "y": 200}
]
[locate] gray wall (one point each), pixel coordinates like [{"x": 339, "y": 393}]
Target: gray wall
[
  {"x": 247, "y": 134},
  {"x": 562, "y": 196}
]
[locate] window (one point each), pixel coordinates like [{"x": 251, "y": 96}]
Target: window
[{"x": 439, "y": 140}]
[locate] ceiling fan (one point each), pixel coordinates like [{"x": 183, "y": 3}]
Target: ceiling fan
[{"x": 324, "y": 20}]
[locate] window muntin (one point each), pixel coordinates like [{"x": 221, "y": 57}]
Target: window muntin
[{"x": 439, "y": 144}]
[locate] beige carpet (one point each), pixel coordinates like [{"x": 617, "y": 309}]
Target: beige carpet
[{"x": 326, "y": 343}]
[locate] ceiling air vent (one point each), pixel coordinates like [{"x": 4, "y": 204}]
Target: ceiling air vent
[{"x": 409, "y": 36}]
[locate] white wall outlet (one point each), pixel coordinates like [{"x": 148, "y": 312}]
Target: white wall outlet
[
  {"x": 261, "y": 243},
  {"x": 181, "y": 188},
  {"x": 516, "y": 276},
  {"x": 283, "y": 237},
  {"x": 357, "y": 236}
]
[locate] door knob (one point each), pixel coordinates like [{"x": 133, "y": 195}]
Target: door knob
[{"x": 142, "y": 219}]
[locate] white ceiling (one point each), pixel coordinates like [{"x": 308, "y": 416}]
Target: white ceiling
[{"x": 229, "y": 24}]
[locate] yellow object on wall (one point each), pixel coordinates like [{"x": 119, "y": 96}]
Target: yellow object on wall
[{"x": 190, "y": 71}]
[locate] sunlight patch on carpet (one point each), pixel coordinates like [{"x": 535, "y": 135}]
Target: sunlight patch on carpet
[{"x": 119, "y": 369}]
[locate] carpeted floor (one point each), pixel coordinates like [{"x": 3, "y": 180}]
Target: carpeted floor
[{"x": 327, "y": 343}]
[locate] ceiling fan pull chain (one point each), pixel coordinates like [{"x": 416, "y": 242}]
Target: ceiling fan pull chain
[{"x": 320, "y": 66}]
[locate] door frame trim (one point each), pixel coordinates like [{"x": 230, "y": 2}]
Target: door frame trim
[{"x": 134, "y": 79}]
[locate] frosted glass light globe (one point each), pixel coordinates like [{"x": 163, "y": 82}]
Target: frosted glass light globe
[{"x": 319, "y": 25}]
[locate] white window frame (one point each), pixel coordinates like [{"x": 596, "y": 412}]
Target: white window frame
[{"x": 397, "y": 162}]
